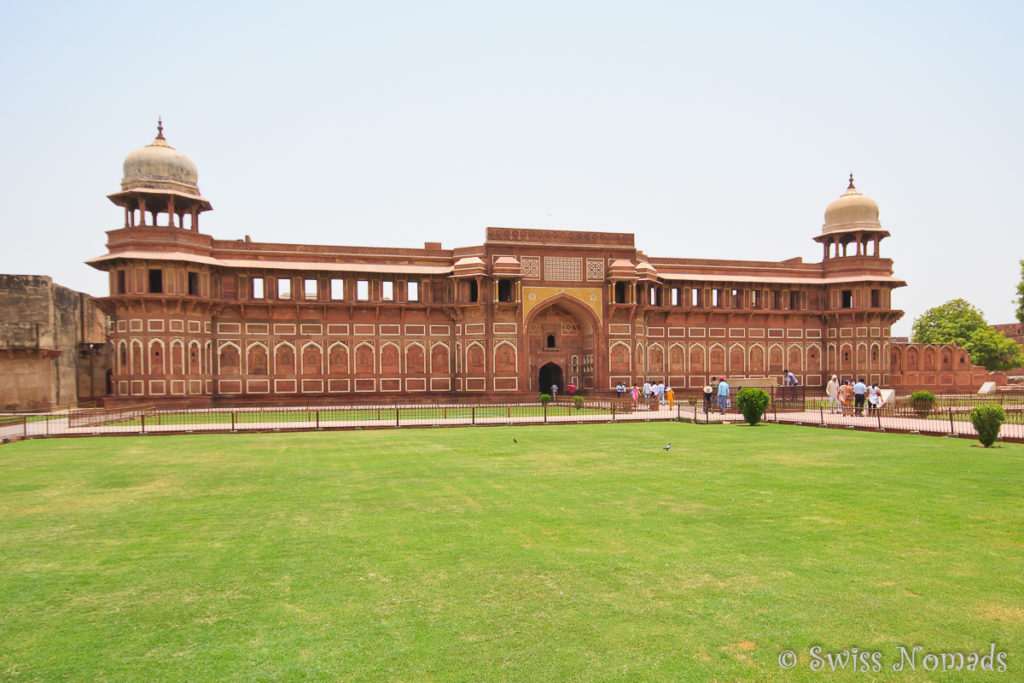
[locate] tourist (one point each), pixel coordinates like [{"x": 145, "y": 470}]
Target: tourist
[
  {"x": 671, "y": 397},
  {"x": 845, "y": 397},
  {"x": 554, "y": 392},
  {"x": 572, "y": 389},
  {"x": 647, "y": 390},
  {"x": 789, "y": 379},
  {"x": 635, "y": 394},
  {"x": 723, "y": 395},
  {"x": 860, "y": 390},
  {"x": 661, "y": 393},
  {"x": 832, "y": 392},
  {"x": 620, "y": 389},
  {"x": 874, "y": 398},
  {"x": 708, "y": 391}
]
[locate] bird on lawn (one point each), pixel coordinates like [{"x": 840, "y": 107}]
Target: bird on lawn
[
  {"x": 668, "y": 447},
  {"x": 514, "y": 440}
]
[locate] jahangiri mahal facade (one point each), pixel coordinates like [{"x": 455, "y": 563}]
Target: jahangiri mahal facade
[{"x": 210, "y": 319}]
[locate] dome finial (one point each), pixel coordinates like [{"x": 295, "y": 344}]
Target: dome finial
[
  {"x": 160, "y": 129},
  {"x": 851, "y": 187}
]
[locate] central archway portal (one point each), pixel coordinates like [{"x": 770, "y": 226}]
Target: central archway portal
[
  {"x": 561, "y": 345},
  {"x": 550, "y": 374}
]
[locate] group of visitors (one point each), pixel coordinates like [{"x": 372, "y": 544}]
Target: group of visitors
[
  {"x": 722, "y": 389},
  {"x": 554, "y": 391},
  {"x": 849, "y": 397},
  {"x": 654, "y": 393}
]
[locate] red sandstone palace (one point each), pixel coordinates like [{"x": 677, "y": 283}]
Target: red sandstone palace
[{"x": 208, "y": 319}]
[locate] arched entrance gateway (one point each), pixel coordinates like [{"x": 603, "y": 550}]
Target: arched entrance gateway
[
  {"x": 561, "y": 342},
  {"x": 549, "y": 374}
]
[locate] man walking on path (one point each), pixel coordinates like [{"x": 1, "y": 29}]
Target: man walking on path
[
  {"x": 832, "y": 391},
  {"x": 723, "y": 395}
]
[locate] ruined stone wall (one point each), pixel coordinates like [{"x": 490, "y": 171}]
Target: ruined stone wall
[
  {"x": 42, "y": 327},
  {"x": 939, "y": 368}
]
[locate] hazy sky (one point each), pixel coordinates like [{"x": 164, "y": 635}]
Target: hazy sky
[{"x": 709, "y": 130}]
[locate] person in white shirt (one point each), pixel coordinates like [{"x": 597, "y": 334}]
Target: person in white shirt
[
  {"x": 832, "y": 391},
  {"x": 874, "y": 398}
]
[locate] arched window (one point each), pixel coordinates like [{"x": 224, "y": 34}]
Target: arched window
[
  {"x": 229, "y": 360},
  {"x": 257, "y": 360},
  {"x": 551, "y": 341},
  {"x": 284, "y": 361},
  {"x": 439, "y": 359},
  {"x": 339, "y": 359},
  {"x": 414, "y": 360}
]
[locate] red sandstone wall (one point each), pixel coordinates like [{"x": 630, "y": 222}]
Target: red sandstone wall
[{"x": 942, "y": 368}]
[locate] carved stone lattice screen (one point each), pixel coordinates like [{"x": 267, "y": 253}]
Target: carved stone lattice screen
[
  {"x": 565, "y": 268},
  {"x": 531, "y": 267}
]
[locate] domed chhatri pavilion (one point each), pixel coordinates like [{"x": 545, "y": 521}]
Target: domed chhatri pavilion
[{"x": 210, "y": 319}]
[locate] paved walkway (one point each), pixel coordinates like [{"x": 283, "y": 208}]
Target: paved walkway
[
  {"x": 59, "y": 426},
  {"x": 936, "y": 425}
]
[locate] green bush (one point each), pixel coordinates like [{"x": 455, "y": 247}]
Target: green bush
[
  {"x": 752, "y": 403},
  {"x": 922, "y": 402},
  {"x": 578, "y": 402},
  {"x": 987, "y": 419},
  {"x": 545, "y": 399}
]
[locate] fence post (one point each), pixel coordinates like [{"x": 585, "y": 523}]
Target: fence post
[
  {"x": 545, "y": 407},
  {"x": 397, "y": 424},
  {"x": 951, "y": 429},
  {"x": 472, "y": 415},
  {"x": 613, "y": 411},
  {"x": 318, "y": 419},
  {"x": 143, "y": 416},
  {"x": 878, "y": 412},
  {"x": 232, "y": 420},
  {"x": 821, "y": 414}
]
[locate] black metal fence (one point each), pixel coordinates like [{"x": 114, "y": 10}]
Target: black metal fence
[
  {"x": 948, "y": 420},
  {"x": 790, "y": 405}
]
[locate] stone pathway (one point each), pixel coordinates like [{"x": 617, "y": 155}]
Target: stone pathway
[{"x": 59, "y": 426}]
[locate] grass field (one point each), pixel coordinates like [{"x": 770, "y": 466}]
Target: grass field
[{"x": 580, "y": 552}]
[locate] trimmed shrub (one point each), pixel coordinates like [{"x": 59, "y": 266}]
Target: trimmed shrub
[
  {"x": 545, "y": 399},
  {"x": 578, "y": 401},
  {"x": 922, "y": 402},
  {"x": 987, "y": 419},
  {"x": 752, "y": 403}
]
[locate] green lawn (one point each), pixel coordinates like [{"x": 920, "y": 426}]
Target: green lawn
[{"x": 578, "y": 553}]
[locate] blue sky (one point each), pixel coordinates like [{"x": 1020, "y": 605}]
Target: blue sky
[{"x": 710, "y": 130}]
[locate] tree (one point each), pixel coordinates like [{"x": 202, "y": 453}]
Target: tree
[
  {"x": 1020, "y": 295},
  {"x": 994, "y": 350},
  {"x": 951, "y": 323}
]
